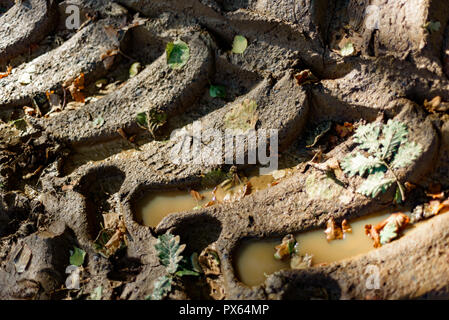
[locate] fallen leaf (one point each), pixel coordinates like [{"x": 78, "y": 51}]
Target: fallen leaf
[
  {"x": 77, "y": 257},
  {"x": 29, "y": 111},
  {"x": 135, "y": 69},
  {"x": 76, "y": 88},
  {"x": 240, "y": 44},
  {"x": 196, "y": 195},
  {"x": 333, "y": 231},
  {"x": 177, "y": 54},
  {"x": 344, "y": 130},
  {"x": 305, "y": 77},
  {"x": 98, "y": 122},
  {"x": 346, "y": 227},
  {"x": 432, "y": 104},
  {"x": 217, "y": 91},
  {"x": 347, "y": 50},
  {"x": 286, "y": 248},
  {"x": 396, "y": 222},
  {"x": 7, "y": 73}
]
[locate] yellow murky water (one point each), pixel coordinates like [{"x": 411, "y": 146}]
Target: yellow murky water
[
  {"x": 151, "y": 209},
  {"x": 154, "y": 206},
  {"x": 254, "y": 258}
]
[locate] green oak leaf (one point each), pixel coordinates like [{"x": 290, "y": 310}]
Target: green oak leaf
[{"x": 374, "y": 184}]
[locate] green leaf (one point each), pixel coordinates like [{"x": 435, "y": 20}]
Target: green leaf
[
  {"x": 141, "y": 119},
  {"x": 77, "y": 256},
  {"x": 240, "y": 44},
  {"x": 394, "y": 133},
  {"x": 135, "y": 69},
  {"x": 368, "y": 137},
  {"x": 347, "y": 50},
  {"x": 217, "y": 91},
  {"x": 407, "y": 153},
  {"x": 178, "y": 53},
  {"x": 359, "y": 164},
  {"x": 162, "y": 287},
  {"x": 97, "y": 293},
  {"x": 98, "y": 122},
  {"x": 169, "y": 249},
  {"x": 389, "y": 232},
  {"x": 374, "y": 184}
]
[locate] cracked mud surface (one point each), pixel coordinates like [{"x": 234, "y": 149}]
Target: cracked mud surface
[{"x": 63, "y": 172}]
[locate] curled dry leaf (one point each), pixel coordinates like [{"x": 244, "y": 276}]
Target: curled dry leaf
[
  {"x": 333, "y": 231},
  {"x": 7, "y": 73},
  {"x": 436, "y": 207},
  {"x": 344, "y": 130},
  {"x": 346, "y": 227},
  {"x": 396, "y": 222},
  {"x": 196, "y": 195},
  {"x": 286, "y": 248},
  {"x": 76, "y": 87},
  {"x": 305, "y": 77}
]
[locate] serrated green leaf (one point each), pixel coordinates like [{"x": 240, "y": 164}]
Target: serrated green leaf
[
  {"x": 240, "y": 44},
  {"x": 77, "y": 257},
  {"x": 374, "y": 184},
  {"x": 389, "y": 232},
  {"x": 178, "y": 53},
  {"x": 162, "y": 286},
  {"x": 359, "y": 164},
  {"x": 367, "y": 136},
  {"x": 406, "y": 154},
  {"x": 169, "y": 249},
  {"x": 394, "y": 133},
  {"x": 217, "y": 91}
]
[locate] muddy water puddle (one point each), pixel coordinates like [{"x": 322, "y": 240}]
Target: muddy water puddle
[
  {"x": 254, "y": 259},
  {"x": 155, "y": 205}
]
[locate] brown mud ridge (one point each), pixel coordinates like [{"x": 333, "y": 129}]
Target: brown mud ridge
[{"x": 63, "y": 172}]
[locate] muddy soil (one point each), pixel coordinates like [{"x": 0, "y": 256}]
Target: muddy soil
[{"x": 65, "y": 164}]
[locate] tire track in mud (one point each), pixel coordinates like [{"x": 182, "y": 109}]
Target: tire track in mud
[{"x": 351, "y": 89}]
